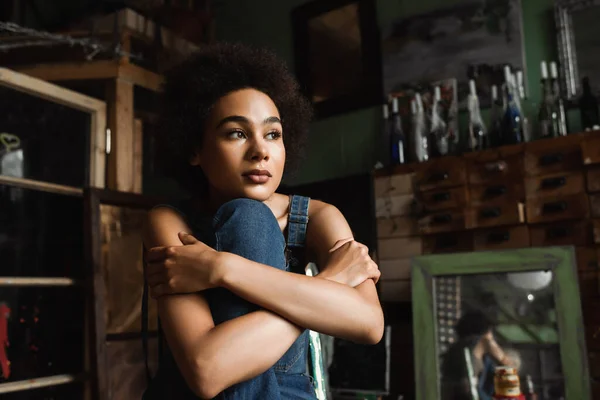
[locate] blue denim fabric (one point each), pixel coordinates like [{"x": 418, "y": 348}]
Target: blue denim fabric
[{"x": 247, "y": 228}]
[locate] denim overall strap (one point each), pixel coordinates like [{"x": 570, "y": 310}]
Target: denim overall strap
[
  {"x": 297, "y": 221},
  {"x": 297, "y": 224}
]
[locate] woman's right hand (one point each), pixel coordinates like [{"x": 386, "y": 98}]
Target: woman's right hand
[{"x": 349, "y": 263}]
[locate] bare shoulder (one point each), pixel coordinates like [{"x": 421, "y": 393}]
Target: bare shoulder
[
  {"x": 326, "y": 225},
  {"x": 162, "y": 225}
]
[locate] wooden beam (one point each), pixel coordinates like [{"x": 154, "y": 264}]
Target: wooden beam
[
  {"x": 141, "y": 77},
  {"x": 120, "y": 122},
  {"x": 102, "y": 69}
]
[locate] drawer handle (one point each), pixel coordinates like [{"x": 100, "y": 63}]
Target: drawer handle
[
  {"x": 549, "y": 159},
  {"x": 557, "y": 233},
  {"x": 490, "y": 212},
  {"x": 556, "y": 207},
  {"x": 439, "y": 197},
  {"x": 441, "y": 219},
  {"x": 498, "y": 166},
  {"x": 445, "y": 242},
  {"x": 498, "y": 237},
  {"x": 494, "y": 191},
  {"x": 553, "y": 183},
  {"x": 438, "y": 177}
]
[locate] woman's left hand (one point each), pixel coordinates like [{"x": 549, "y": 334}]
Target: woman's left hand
[{"x": 189, "y": 268}]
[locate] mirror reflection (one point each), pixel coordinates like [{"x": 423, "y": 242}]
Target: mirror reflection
[{"x": 488, "y": 321}]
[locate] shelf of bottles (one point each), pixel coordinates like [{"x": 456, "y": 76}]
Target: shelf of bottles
[{"x": 428, "y": 134}]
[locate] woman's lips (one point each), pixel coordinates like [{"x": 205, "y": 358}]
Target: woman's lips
[
  {"x": 258, "y": 175},
  {"x": 255, "y": 178}
]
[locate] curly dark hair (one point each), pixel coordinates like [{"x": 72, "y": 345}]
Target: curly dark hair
[
  {"x": 191, "y": 89},
  {"x": 473, "y": 323}
]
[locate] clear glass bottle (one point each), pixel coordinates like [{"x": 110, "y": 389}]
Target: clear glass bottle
[
  {"x": 419, "y": 133},
  {"x": 397, "y": 135},
  {"x": 438, "y": 138},
  {"x": 545, "y": 121},
  {"x": 558, "y": 100},
  {"x": 477, "y": 130}
]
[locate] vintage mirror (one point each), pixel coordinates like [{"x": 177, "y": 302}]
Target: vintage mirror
[
  {"x": 524, "y": 302},
  {"x": 578, "y": 43}
]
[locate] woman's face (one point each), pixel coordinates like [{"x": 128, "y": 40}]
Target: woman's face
[{"x": 242, "y": 153}]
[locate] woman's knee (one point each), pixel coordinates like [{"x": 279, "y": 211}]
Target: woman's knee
[{"x": 249, "y": 228}]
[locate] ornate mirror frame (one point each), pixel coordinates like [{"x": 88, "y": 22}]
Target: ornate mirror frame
[
  {"x": 560, "y": 260},
  {"x": 567, "y": 54}
]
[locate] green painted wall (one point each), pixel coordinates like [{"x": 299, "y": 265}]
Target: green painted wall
[{"x": 343, "y": 145}]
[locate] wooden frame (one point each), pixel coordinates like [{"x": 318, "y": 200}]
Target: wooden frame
[
  {"x": 93, "y": 199},
  {"x": 69, "y": 98},
  {"x": 561, "y": 260},
  {"x": 371, "y": 92}
]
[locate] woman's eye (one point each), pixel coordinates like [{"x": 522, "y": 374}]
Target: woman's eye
[
  {"x": 274, "y": 135},
  {"x": 237, "y": 135}
]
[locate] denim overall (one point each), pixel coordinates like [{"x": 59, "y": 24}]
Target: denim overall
[{"x": 249, "y": 229}]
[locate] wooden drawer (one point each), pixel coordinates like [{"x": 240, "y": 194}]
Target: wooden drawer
[
  {"x": 496, "y": 192},
  {"x": 587, "y": 258},
  {"x": 441, "y": 173},
  {"x": 395, "y": 269},
  {"x": 396, "y": 227},
  {"x": 549, "y": 209},
  {"x": 593, "y": 180},
  {"x": 443, "y": 199},
  {"x": 595, "y": 205},
  {"x": 553, "y": 155},
  {"x": 511, "y": 237},
  {"x": 560, "y": 184},
  {"x": 561, "y": 234},
  {"x": 390, "y": 206},
  {"x": 393, "y": 185},
  {"x": 443, "y": 221},
  {"x": 489, "y": 171},
  {"x": 448, "y": 243},
  {"x": 496, "y": 214},
  {"x": 590, "y": 149},
  {"x": 390, "y": 249},
  {"x": 395, "y": 291}
]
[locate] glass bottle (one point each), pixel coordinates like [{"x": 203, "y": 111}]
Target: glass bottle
[
  {"x": 545, "y": 120},
  {"x": 419, "y": 134},
  {"x": 477, "y": 130},
  {"x": 512, "y": 131},
  {"x": 397, "y": 135},
  {"x": 558, "y": 101},
  {"x": 438, "y": 139}
]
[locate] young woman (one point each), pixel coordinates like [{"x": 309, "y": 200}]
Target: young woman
[{"x": 227, "y": 267}]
